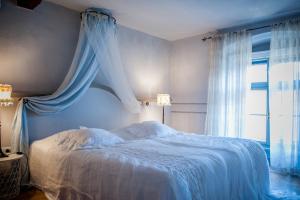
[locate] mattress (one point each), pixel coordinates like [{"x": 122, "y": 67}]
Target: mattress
[{"x": 176, "y": 167}]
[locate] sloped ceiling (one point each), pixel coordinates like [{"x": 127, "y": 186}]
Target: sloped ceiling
[{"x": 176, "y": 19}]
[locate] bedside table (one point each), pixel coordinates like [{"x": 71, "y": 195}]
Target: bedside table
[{"x": 10, "y": 176}]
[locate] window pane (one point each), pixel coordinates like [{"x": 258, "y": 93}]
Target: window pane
[
  {"x": 256, "y": 101},
  {"x": 256, "y": 127},
  {"x": 257, "y": 73}
]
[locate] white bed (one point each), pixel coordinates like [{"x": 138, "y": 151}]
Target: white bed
[
  {"x": 178, "y": 166},
  {"x": 153, "y": 164}
]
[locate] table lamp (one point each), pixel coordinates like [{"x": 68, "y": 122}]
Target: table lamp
[
  {"x": 163, "y": 100},
  {"x": 5, "y": 100}
]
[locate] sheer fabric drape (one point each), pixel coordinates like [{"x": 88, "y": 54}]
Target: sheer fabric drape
[
  {"x": 107, "y": 54},
  {"x": 97, "y": 51},
  {"x": 285, "y": 97},
  {"x": 230, "y": 54},
  {"x": 81, "y": 74}
]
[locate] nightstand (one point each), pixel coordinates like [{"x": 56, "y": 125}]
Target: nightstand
[{"x": 10, "y": 176}]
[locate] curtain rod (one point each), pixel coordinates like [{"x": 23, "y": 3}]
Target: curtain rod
[
  {"x": 256, "y": 28},
  {"x": 97, "y": 12},
  {"x": 250, "y": 29}
]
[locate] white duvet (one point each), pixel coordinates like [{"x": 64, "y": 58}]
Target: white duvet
[{"x": 172, "y": 167}]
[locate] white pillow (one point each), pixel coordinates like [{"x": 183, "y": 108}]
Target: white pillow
[
  {"x": 147, "y": 129},
  {"x": 85, "y": 138}
]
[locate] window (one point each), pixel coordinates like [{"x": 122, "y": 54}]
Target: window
[{"x": 257, "y": 106}]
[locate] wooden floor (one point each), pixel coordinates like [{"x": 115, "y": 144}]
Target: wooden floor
[
  {"x": 31, "y": 194},
  {"x": 282, "y": 187}
]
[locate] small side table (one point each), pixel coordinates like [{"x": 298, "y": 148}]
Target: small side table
[{"x": 10, "y": 176}]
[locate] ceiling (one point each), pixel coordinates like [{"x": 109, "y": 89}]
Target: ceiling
[{"x": 177, "y": 19}]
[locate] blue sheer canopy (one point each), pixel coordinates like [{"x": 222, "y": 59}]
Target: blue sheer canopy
[{"x": 97, "y": 50}]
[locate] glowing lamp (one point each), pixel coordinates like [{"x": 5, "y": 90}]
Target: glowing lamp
[
  {"x": 5, "y": 100},
  {"x": 163, "y": 100}
]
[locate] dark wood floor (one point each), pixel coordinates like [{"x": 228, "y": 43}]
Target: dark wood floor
[
  {"x": 282, "y": 187},
  {"x": 31, "y": 194}
]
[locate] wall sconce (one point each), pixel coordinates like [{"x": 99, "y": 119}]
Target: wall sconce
[{"x": 145, "y": 103}]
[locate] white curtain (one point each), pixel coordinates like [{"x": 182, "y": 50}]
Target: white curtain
[
  {"x": 107, "y": 53},
  {"x": 230, "y": 56},
  {"x": 285, "y": 96}
]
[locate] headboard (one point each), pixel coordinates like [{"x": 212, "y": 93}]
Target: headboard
[{"x": 98, "y": 108}]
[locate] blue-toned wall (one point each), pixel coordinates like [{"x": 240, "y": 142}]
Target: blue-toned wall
[{"x": 36, "y": 46}]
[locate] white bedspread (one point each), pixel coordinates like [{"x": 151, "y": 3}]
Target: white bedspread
[{"x": 177, "y": 167}]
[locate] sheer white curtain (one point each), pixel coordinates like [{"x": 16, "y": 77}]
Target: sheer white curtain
[
  {"x": 285, "y": 96},
  {"x": 230, "y": 57},
  {"x": 107, "y": 54}
]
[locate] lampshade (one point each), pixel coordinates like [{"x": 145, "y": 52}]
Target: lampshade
[
  {"x": 5, "y": 95},
  {"x": 163, "y": 100}
]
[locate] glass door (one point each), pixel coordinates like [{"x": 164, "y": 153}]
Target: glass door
[{"x": 257, "y": 103}]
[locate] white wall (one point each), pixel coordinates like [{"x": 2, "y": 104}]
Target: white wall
[
  {"x": 189, "y": 83},
  {"x": 146, "y": 60},
  {"x": 147, "y": 63}
]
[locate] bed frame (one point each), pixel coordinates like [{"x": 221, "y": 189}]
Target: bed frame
[{"x": 98, "y": 108}]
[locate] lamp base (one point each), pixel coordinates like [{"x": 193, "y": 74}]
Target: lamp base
[
  {"x": 2, "y": 155},
  {"x": 163, "y": 114}
]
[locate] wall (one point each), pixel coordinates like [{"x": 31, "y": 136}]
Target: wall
[
  {"x": 37, "y": 48},
  {"x": 189, "y": 83},
  {"x": 36, "y": 44},
  {"x": 147, "y": 63}
]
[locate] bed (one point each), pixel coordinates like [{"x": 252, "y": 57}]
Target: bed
[{"x": 147, "y": 161}]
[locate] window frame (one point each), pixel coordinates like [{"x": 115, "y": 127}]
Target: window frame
[{"x": 264, "y": 86}]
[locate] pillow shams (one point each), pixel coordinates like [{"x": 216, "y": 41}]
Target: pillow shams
[
  {"x": 147, "y": 129},
  {"x": 84, "y": 138}
]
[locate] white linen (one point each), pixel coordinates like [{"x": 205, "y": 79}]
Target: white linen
[
  {"x": 75, "y": 139},
  {"x": 176, "y": 167},
  {"x": 147, "y": 129}
]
